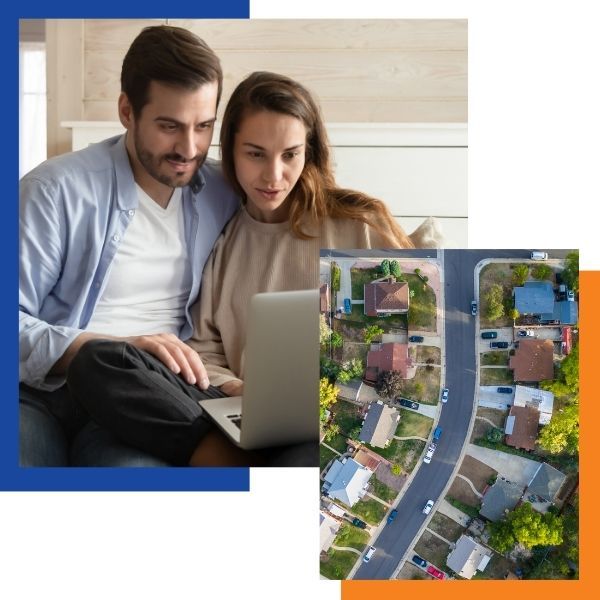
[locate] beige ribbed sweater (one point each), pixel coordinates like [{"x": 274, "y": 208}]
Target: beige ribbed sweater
[{"x": 252, "y": 257}]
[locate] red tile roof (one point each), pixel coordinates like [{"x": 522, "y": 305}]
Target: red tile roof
[
  {"x": 525, "y": 428},
  {"x": 389, "y": 357},
  {"x": 533, "y": 361},
  {"x": 386, "y": 297}
]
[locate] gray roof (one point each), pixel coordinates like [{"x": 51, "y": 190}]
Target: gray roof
[
  {"x": 379, "y": 425},
  {"x": 546, "y": 482},
  {"x": 502, "y": 496},
  {"x": 346, "y": 481},
  {"x": 534, "y": 298},
  {"x": 467, "y": 557}
]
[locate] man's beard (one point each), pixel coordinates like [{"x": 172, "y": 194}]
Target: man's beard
[{"x": 152, "y": 163}]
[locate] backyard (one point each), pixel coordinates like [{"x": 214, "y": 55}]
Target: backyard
[
  {"x": 325, "y": 456},
  {"x": 347, "y": 416}
]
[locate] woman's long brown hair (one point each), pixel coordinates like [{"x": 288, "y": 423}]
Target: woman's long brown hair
[{"x": 315, "y": 195}]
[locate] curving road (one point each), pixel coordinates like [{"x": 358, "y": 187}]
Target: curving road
[{"x": 460, "y": 364}]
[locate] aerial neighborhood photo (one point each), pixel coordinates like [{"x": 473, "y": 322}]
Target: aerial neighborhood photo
[{"x": 449, "y": 410}]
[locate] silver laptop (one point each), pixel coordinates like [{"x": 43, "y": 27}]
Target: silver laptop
[{"x": 281, "y": 380}]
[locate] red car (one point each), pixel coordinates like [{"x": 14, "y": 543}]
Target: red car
[{"x": 435, "y": 572}]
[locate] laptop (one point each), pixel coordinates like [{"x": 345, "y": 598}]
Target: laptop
[{"x": 280, "y": 405}]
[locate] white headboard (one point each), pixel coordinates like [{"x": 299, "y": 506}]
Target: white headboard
[{"x": 419, "y": 170}]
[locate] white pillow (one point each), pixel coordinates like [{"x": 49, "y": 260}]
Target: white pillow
[{"x": 428, "y": 234}]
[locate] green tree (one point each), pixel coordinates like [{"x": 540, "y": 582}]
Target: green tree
[
  {"x": 541, "y": 272},
  {"x": 514, "y": 314},
  {"x": 384, "y": 267},
  {"x": 331, "y": 432},
  {"x": 336, "y": 339},
  {"x": 336, "y": 274},
  {"x": 494, "y": 434},
  {"x": 354, "y": 367},
  {"x": 566, "y": 384},
  {"x": 328, "y": 394},
  {"x": 396, "y": 469},
  {"x": 570, "y": 274},
  {"x": 329, "y": 368},
  {"x": 501, "y": 536},
  {"x": 371, "y": 332},
  {"x": 520, "y": 274},
  {"x": 531, "y": 528},
  {"x": 389, "y": 384},
  {"x": 562, "y": 433},
  {"x": 354, "y": 433},
  {"x": 395, "y": 269},
  {"x": 494, "y": 302}
]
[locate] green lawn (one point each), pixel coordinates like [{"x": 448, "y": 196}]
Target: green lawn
[
  {"x": 369, "y": 510},
  {"x": 352, "y": 537},
  {"x": 496, "y": 358},
  {"x": 346, "y": 415},
  {"x": 381, "y": 490},
  {"x": 406, "y": 453},
  {"x": 422, "y": 313},
  {"x": 359, "y": 277},
  {"x": 496, "y": 377},
  {"x": 467, "y": 509},
  {"x": 337, "y": 564},
  {"x": 412, "y": 423},
  {"x": 423, "y": 387},
  {"x": 339, "y": 443},
  {"x": 325, "y": 455}
]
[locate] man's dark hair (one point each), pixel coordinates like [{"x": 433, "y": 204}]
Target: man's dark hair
[{"x": 171, "y": 56}]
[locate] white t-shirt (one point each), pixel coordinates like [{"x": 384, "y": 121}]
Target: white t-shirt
[{"x": 150, "y": 278}]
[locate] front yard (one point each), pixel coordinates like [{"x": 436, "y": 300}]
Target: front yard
[
  {"x": 478, "y": 473},
  {"x": 496, "y": 358},
  {"x": 351, "y": 537},
  {"x": 413, "y": 424},
  {"x": 382, "y": 491},
  {"x": 446, "y": 527},
  {"x": 424, "y": 387},
  {"x": 369, "y": 510},
  {"x": 406, "y": 453},
  {"x": 432, "y": 549},
  {"x": 496, "y": 376},
  {"x": 337, "y": 563}
]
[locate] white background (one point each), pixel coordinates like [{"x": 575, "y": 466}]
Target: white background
[{"x": 533, "y": 182}]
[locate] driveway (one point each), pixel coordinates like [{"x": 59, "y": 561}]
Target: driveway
[
  {"x": 490, "y": 398},
  {"x": 510, "y": 466}
]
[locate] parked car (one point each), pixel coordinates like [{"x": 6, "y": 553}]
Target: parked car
[
  {"x": 435, "y": 572},
  {"x": 525, "y": 333},
  {"x": 408, "y": 403},
  {"x": 498, "y": 344},
  {"x": 473, "y": 307},
  {"x": 504, "y": 390},
  {"x": 489, "y": 335},
  {"x": 570, "y": 295},
  {"x": 419, "y": 561},
  {"x": 347, "y": 306},
  {"x": 369, "y": 553},
  {"x": 437, "y": 434},
  {"x": 445, "y": 393},
  {"x": 536, "y": 255},
  {"x": 392, "y": 515},
  {"x": 429, "y": 454},
  {"x": 427, "y": 508},
  {"x": 358, "y": 523},
  {"x": 416, "y": 338}
]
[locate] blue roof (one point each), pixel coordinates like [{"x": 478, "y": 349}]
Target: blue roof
[
  {"x": 565, "y": 312},
  {"x": 534, "y": 298}
]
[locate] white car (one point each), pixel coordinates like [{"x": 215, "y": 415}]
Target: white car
[
  {"x": 445, "y": 393},
  {"x": 427, "y": 508},
  {"x": 369, "y": 553},
  {"x": 429, "y": 454}
]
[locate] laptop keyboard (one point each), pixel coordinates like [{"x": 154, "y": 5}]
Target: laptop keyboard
[{"x": 236, "y": 420}]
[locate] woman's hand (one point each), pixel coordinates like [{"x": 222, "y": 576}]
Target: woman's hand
[{"x": 235, "y": 387}]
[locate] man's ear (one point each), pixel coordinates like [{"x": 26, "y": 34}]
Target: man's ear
[{"x": 125, "y": 111}]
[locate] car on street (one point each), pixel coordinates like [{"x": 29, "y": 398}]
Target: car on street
[
  {"x": 489, "y": 335},
  {"x": 369, "y": 553},
  {"x": 537, "y": 255},
  {"x": 445, "y": 393},
  {"x": 347, "y": 306},
  {"x": 392, "y": 515},
  {"x": 419, "y": 561},
  {"x": 473, "y": 308},
  {"x": 435, "y": 572},
  {"x": 525, "y": 333},
  {"x": 416, "y": 338},
  {"x": 437, "y": 433},
  {"x": 408, "y": 403},
  {"x": 570, "y": 295},
  {"x": 498, "y": 344},
  {"x": 358, "y": 523},
  {"x": 427, "y": 508},
  {"x": 429, "y": 454},
  {"x": 504, "y": 390}
]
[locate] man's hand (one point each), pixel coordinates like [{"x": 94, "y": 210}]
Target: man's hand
[
  {"x": 235, "y": 387},
  {"x": 175, "y": 355}
]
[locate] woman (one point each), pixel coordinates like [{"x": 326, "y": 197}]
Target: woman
[{"x": 275, "y": 153}]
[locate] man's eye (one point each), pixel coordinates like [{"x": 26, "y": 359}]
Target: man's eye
[{"x": 168, "y": 127}]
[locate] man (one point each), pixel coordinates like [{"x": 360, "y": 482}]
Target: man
[{"x": 113, "y": 241}]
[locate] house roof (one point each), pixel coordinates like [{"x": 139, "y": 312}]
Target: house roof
[
  {"x": 467, "y": 557},
  {"x": 324, "y": 297},
  {"x": 540, "y": 399},
  {"x": 367, "y": 459},
  {"x": 534, "y": 298},
  {"x": 564, "y": 312},
  {"x": 390, "y": 356},
  {"x": 525, "y": 427},
  {"x": 546, "y": 482},
  {"x": 328, "y": 528},
  {"x": 385, "y": 297},
  {"x": 379, "y": 425},
  {"x": 533, "y": 360},
  {"x": 502, "y": 496},
  {"x": 347, "y": 479}
]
